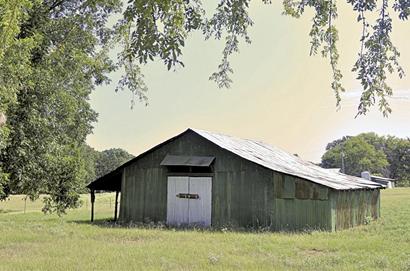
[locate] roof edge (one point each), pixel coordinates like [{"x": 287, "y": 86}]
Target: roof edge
[
  {"x": 141, "y": 155},
  {"x": 198, "y": 132},
  {"x": 232, "y": 152}
]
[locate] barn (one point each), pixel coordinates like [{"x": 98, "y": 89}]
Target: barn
[{"x": 201, "y": 178}]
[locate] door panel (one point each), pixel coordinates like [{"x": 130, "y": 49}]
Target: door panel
[
  {"x": 200, "y": 209},
  {"x": 189, "y": 201},
  {"x": 177, "y": 208}
]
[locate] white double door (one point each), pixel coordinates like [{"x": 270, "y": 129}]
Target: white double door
[{"x": 189, "y": 201}]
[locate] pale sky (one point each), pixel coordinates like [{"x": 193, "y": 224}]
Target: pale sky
[{"x": 280, "y": 94}]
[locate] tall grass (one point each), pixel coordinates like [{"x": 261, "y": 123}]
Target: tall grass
[{"x": 34, "y": 241}]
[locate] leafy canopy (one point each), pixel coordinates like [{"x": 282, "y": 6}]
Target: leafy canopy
[
  {"x": 358, "y": 156},
  {"x": 110, "y": 159},
  {"x": 99, "y": 163},
  {"x": 158, "y": 29},
  {"x": 388, "y": 156},
  {"x": 53, "y": 55}
]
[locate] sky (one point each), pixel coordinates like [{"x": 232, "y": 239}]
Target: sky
[{"x": 280, "y": 94}]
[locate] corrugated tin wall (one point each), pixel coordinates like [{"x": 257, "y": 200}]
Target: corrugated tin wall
[
  {"x": 243, "y": 194},
  {"x": 300, "y": 204},
  {"x": 352, "y": 208}
]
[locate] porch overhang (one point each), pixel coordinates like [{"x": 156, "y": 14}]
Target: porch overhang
[{"x": 187, "y": 160}]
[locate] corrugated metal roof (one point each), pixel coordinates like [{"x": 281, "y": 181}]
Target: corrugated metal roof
[
  {"x": 184, "y": 160},
  {"x": 334, "y": 169},
  {"x": 281, "y": 161},
  {"x": 381, "y": 178}
]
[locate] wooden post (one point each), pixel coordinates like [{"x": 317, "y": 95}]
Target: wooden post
[
  {"x": 92, "y": 205},
  {"x": 25, "y": 203},
  {"x": 116, "y": 205}
]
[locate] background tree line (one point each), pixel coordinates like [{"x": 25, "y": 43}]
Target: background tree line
[
  {"x": 386, "y": 156},
  {"x": 99, "y": 163}
]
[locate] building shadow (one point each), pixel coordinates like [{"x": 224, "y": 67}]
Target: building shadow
[{"x": 111, "y": 223}]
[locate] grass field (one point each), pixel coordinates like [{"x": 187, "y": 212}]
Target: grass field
[{"x": 34, "y": 241}]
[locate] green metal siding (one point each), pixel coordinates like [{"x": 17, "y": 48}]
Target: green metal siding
[
  {"x": 307, "y": 208},
  {"x": 353, "y": 207},
  {"x": 244, "y": 194}
]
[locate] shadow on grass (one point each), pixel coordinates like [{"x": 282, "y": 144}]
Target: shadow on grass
[
  {"x": 110, "y": 223},
  {"x": 6, "y": 211},
  {"x": 101, "y": 222}
]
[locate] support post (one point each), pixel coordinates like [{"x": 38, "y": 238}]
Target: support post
[
  {"x": 92, "y": 204},
  {"x": 25, "y": 203},
  {"x": 116, "y": 205}
]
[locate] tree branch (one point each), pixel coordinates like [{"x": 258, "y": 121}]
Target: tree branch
[{"x": 56, "y": 4}]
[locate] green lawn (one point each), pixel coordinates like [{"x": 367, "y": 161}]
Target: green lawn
[{"x": 33, "y": 241}]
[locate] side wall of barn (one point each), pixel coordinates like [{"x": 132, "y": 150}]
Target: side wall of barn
[
  {"x": 244, "y": 194},
  {"x": 258, "y": 197},
  {"x": 354, "y": 207},
  {"x": 300, "y": 204}
]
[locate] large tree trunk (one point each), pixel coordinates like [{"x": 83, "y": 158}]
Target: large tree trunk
[{"x": 3, "y": 119}]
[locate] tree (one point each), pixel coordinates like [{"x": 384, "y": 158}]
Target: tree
[
  {"x": 370, "y": 152},
  {"x": 89, "y": 156},
  {"x": 109, "y": 160},
  {"x": 159, "y": 29},
  {"x": 337, "y": 142},
  {"x": 52, "y": 60},
  {"x": 398, "y": 154},
  {"x": 96, "y": 164},
  {"x": 14, "y": 67},
  {"x": 358, "y": 156}
]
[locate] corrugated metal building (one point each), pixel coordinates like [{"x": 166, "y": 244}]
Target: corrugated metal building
[
  {"x": 210, "y": 179},
  {"x": 385, "y": 182}
]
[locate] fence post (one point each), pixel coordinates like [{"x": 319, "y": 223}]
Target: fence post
[{"x": 25, "y": 203}]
